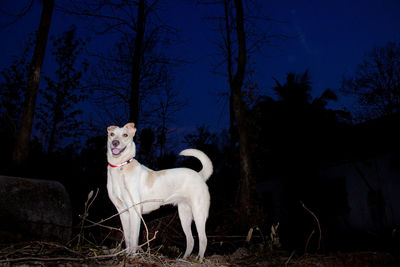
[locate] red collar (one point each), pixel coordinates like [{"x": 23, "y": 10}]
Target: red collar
[{"x": 122, "y": 164}]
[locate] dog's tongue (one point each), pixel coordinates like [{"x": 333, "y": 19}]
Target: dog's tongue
[{"x": 115, "y": 151}]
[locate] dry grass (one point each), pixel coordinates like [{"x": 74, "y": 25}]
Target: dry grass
[
  {"x": 52, "y": 254},
  {"x": 255, "y": 249}
]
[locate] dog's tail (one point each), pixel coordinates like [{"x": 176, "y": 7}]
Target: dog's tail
[{"x": 204, "y": 159}]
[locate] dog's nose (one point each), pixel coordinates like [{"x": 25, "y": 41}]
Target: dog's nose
[{"x": 115, "y": 143}]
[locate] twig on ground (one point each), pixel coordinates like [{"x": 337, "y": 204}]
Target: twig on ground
[
  {"x": 84, "y": 218},
  {"x": 79, "y": 258},
  {"x": 290, "y": 257},
  {"x": 85, "y": 214},
  {"x": 318, "y": 224},
  {"x": 100, "y": 223},
  {"x": 308, "y": 241}
]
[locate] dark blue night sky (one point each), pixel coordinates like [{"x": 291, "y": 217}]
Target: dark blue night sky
[{"x": 332, "y": 37}]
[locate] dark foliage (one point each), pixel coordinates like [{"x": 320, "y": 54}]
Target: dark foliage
[
  {"x": 376, "y": 83},
  {"x": 13, "y": 83},
  {"x": 58, "y": 113}
]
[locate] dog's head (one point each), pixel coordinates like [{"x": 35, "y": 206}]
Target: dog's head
[{"x": 120, "y": 145}]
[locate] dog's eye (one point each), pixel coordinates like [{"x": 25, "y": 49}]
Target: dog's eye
[
  {"x": 125, "y": 135},
  {"x": 111, "y": 134}
]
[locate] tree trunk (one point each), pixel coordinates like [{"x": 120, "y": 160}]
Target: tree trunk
[
  {"x": 239, "y": 115},
  {"x": 232, "y": 127},
  {"x": 134, "y": 103},
  {"x": 21, "y": 146},
  {"x": 246, "y": 181}
]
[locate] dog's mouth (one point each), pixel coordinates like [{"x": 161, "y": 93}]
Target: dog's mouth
[{"x": 116, "y": 151}]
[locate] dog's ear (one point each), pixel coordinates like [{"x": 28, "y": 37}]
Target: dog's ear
[
  {"x": 111, "y": 128},
  {"x": 131, "y": 128}
]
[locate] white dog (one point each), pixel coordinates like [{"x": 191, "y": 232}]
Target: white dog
[{"x": 135, "y": 189}]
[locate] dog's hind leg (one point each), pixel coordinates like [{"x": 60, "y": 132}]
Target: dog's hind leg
[
  {"x": 185, "y": 215},
  {"x": 200, "y": 218}
]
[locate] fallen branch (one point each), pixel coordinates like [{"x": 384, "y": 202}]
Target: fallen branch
[{"x": 40, "y": 259}]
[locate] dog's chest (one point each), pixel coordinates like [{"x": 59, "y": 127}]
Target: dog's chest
[
  {"x": 122, "y": 186},
  {"x": 124, "y": 172},
  {"x": 123, "y": 178}
]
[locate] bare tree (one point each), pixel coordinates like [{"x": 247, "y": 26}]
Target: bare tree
[
  {"x": 167, "y": 105},
  {"x": 129, "y": 75},
  {"x": 241, "y": 37},
  {"x": 234, "y": 41},
  {"x": 136, "y": 63},
  {"x": 113, "y": 80},
  {"x": 14, "y": 17},
  {"x": 59, "y": 111},
  {"x": 13, "y": 83},
  {"x": 21, "y": 147},
  {"x": 376, "y": 82},
  {"x": 239, "y": 114}
]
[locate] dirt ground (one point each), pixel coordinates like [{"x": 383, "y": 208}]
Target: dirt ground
[{"x": 52, "y": 254}]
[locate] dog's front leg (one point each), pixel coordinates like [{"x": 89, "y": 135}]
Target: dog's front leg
[
  {"x": 125, "y": 222},
  {"x": 126, "y": 228},
  {"x": 135, "y": 220},
  {"x": 123, "y": 212}
]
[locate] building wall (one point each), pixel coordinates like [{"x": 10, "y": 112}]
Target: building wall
[{"x": 373, "y": 191}]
